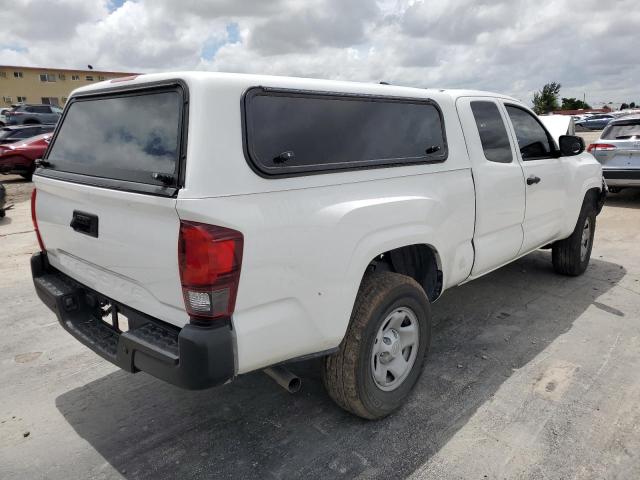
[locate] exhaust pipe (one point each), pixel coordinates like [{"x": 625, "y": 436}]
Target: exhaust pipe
[{"x": 283, "y": 377}]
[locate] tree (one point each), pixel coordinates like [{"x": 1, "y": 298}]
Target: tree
[
  {"x": 573, "y": 104},
  {"x": 632, "y": 105},
  {"x": 546, "y": 100},
  {"x": 624, "y": 106}
]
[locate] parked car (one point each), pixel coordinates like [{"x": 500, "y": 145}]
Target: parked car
[
  {"x": 618, "y": 150},
  {"x": 20, "y": 157},
  {"x": 595, "y": 122},
  {"x": 33, "y": 114},
  {"x": 3, "y": 201},
  {"x": 3, "y": 118},
  {"x": 558, "y": 125},
  {"x": 319, "y": 218},
  {"x": 16, "y": 133}
]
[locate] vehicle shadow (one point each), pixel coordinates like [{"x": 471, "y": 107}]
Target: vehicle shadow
[
  {"x": 10, "y": 179},
  {"x": 252, "y": 428},
  {"x": 627, "y": 198}
]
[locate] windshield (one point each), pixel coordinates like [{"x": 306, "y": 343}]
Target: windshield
[
  {"x": 622, "y": 131},
  {"x": 130, "y": 137}
]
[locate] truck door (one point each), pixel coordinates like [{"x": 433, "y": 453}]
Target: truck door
[
  {"x": 546, "y": 179},
  {"x": 499, "y": 183}
]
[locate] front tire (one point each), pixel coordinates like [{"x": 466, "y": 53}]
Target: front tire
[
  {"x": 571, "y": 255},
  {"x": 382, "y": 354}
]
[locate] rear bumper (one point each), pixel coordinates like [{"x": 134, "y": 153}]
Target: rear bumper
[
  {"x": 622, "y": 177},
  {"x": 193, "y": 357}
]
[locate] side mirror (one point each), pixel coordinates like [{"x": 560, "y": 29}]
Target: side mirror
[{"x": 571, "y": 145}]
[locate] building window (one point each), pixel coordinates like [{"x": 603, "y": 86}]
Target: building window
[
  {"x": 75, "y": 77},
  {"x": 64, "y": 99},
  {"x": 3, "y": 74},
  {"x": 101, "y": 78},
  {"x": 17, "y": 74},
  {"x": 50, "y": 100},
  {"x": 47, "y": 77},
  {"x": 89, "y": 78},
  {"x": 22, "y": 99},
  {"x": 7, "y": 99},
  {"x": 61, "y": 76}
]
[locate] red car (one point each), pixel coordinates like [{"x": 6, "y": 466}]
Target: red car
[{"x": 20, "y": 157}]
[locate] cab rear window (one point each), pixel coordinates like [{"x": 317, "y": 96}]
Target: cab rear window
[{"x": 128, "y": 137}]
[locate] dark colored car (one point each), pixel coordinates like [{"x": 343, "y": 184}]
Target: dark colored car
[
  {"x": 16, "y": 133},
  {"x": 20, "y": 157},
  {"x": 33, "y": 114},
  {"x": 3, "y": 111},
  {"x": 3, "y": 196}
]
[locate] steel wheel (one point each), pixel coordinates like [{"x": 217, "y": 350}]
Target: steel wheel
[{"x": 395, "y": 348}]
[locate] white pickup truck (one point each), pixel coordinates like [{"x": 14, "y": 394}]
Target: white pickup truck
[{"x": 199, "y": 226}]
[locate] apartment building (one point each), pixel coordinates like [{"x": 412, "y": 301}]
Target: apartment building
[{"x": 50, "y": 86}]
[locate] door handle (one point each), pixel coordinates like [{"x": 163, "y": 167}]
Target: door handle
[{"x": 532, "y": 180}]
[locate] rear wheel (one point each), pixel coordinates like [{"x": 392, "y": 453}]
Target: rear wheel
[
  {"x": 571, "y": 255},
  {"x": 381, "y": 356},
  {"x": 28, "y": 175}
]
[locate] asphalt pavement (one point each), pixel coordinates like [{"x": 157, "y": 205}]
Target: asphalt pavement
[{"x": 531, "y": 375}]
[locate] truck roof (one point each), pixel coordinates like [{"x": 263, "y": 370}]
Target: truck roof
[{"x": 293, "y": 82}]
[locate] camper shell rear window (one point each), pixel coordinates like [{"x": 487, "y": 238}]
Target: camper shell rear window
[
  {"x": 293, "y": 132},
  {"x": 130, "y": 140}
]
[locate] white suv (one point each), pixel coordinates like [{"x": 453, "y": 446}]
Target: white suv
[{"x": 199, "y": 226}]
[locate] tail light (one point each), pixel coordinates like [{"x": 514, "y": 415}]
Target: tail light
[
  {"x": 210, "y": 258},
  {"x": 600, "y": 146},
  {"x": 35, "y": 220}
]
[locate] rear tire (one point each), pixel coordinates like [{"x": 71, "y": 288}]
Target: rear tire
[
  {"x": 571, "y": 255},
  {"x": 383, "y": 351},
  {"x": 28, "y": 176}
]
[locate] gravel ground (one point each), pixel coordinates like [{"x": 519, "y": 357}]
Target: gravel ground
[
  {"x": 18, "y": 190},
  {"x": 531, "y": 375}
]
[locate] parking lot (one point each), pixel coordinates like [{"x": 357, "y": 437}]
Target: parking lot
[{"x": 531, "y": 375}]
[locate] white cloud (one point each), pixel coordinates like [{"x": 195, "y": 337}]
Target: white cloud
[{"x": 508, "y": 46}]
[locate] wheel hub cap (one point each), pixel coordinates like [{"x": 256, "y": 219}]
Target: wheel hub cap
[
  {"x": 391, "y": 346},
  {"x": 395, "y": 348}
]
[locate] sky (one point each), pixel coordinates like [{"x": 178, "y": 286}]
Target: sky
[{"x": 512, "y": 47}]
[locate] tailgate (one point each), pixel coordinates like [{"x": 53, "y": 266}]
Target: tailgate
[
  {"x": 134, "y": 257},
  {"x": 106, "y": 196}
]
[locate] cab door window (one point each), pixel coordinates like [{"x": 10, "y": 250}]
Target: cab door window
[
  {"x": 533, "y": 140},
  {"x": 493, "y": 134}
]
